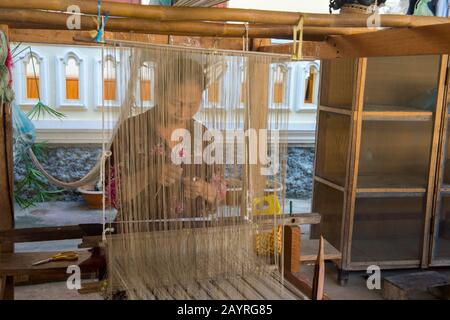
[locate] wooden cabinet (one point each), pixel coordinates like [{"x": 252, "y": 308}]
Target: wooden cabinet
[{"x": 377, "y": 153}]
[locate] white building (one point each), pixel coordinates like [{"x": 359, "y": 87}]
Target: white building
[{"x": 70, "y": 80}]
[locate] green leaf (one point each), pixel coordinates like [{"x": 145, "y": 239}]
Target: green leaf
[{"x": 42, "y": 109}]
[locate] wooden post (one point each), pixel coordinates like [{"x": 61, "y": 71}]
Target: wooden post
[
  {"x": 6, "y": 186},
  {"x": 292, "y": 249},
  {"x": 319, "y": 274}
]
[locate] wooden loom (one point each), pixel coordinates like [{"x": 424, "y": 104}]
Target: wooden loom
[{"x": 327, "y": 37}]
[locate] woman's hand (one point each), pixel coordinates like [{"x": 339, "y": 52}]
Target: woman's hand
[
  {"x": 171, "y": 174},
  {"x": 199, "y": 188}
]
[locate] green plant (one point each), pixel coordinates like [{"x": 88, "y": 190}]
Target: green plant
[{"x": 34, "y": 182}]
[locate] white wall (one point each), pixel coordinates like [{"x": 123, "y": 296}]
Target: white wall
[
  {"x": 313, "y": 6},
  {"x": 83, "y": 124}
]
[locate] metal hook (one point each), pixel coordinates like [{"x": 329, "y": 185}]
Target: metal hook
[{"x": 298, "y": 44}]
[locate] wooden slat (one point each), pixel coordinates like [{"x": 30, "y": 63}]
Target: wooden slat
[
  {"x": 397, "y": 116},
  {"x": 319, "y": 274},
  {"x": 310, "y": 247},
  {"x": 67, "y": 36},
  {"x": 212, "y": 291},
  {"x": 246, "y": 290},
  {"x": 41, "y": 234},
  {"x": 229, "y": 289},
  {"x": 262, "y": 287},
  {"x": 292, "y": 249},
  {"x": 311, "y": 50},
  {"x": 302, "y": 283},
  {"x": 329, "y": 183},
  {"x": 432, "y": 39},
  {"x": 13, "y": 264},
  {"x": 336, "y": 110}
]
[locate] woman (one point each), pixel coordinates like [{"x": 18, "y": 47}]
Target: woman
[{"x": 148, "y": 185}]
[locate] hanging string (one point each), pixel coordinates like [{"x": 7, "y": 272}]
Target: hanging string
[
  {"x": 245, "y": 39},
  {"x": 167, "y": 244},
  {"x": 298, "y": 43},
  {"x": 101, "y": 23}
]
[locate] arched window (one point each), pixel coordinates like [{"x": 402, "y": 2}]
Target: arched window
[
  {"x": 72, "y": 78},
  {"x": 279, "y": 84},
  {"x": 109, "y": 80},
  {"x": 310, "y": 85},
  {"x": 71, "y": 81},
  {"x": 146, "y": 81},
  {"x": 32, "y": 75}
]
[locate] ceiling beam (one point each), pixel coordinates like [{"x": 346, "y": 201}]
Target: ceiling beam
[
  {"x": 432, "y": 39},
  {"x": 161, "y": 13}
]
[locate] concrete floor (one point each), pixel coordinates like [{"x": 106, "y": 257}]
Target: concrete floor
[{"x": 356, "y": 288}]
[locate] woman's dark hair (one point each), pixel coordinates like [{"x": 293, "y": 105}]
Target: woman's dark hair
[{"x": 173, "y": 71}]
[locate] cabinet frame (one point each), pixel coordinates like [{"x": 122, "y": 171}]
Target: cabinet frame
[
  {"x": 441, "y": 189},
  {"x": 350, "y": 190}
]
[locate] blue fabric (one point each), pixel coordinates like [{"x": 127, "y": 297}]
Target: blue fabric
[
  {"x": 442, "y": 8},
  {"x": 24, "y": 132},
  {"x": 412, "y": 4},
  {"x": 166, "y": 3}
]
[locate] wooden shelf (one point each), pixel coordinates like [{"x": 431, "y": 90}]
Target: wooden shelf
[
  {"x": 392, "y": 184},
  {"x": 344, "y": 110},
  {"x": 310, "y": 247},
  {"x": 329, "y": 183},
  {"x": 395, "y": 113}
]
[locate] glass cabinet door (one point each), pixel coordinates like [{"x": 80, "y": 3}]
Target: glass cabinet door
[{"x": 440, "y": 253}]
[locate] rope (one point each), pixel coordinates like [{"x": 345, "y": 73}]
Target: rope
[
  {"x": 101, "y": 23},
  {"x": 91, "y": 176}
]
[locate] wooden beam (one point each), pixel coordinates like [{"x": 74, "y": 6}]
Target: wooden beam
[
  {"x": 312, "y": 50},
  {"x": 21, "y": 18},
  {"x": 161, "y": 13},
  {"x": 433, "y": 39},
  {"x": 6, "y": 186},
  {"x": 34, "y": 19},
  {"x": 41, "y": 234},
  {"x": 67, "y": 37}
]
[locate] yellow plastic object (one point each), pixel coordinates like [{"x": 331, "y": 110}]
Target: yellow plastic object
[
  {"x": 265, "y": 241},
  {"x": 267, "y": 205},
  {"x": 62, "y": 256}
]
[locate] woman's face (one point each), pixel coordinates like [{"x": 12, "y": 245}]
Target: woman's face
[{"x": 184, "y": 102}]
